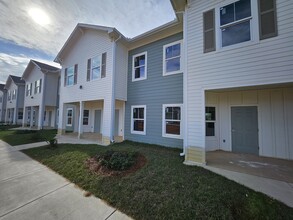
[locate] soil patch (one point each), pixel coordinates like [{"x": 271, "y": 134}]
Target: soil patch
[{"x": 96, "y": 167}]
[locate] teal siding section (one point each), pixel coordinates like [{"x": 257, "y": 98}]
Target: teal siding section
[{"x": 153, "y": 92}]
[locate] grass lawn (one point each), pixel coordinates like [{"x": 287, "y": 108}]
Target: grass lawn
[
  {"x": 164, "y": 188},
  {"x": 17, "y": 137}
]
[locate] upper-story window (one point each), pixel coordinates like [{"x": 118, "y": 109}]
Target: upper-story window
[
  {"x": 38, "y": 86},
  {"x": 139, "y": 66},
  {"x": 235, "y": 23},
  {"x": 172, "y": 58},
  {"x": 29, "y": 89},
  {"x": 14, "y": 94},
  {"x": 70, "y": 77},
  {"x": 9, "y": 95},
  {"x": 96, "y": 67}
]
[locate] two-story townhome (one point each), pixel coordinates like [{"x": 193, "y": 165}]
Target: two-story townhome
[
  {"x": 239, "y": 77},
  {"x": 93, "y": 86},
  {"x": 3, "y": 95},
  {"x": 154, "y": 107},
  {"x": 40, "y": 99},
  {"x": 15, "y": 98}
]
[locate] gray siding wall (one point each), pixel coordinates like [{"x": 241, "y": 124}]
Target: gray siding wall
[{"x": 153, "y": 92}]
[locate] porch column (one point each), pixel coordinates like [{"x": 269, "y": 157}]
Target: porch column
[
  {"x": 6, "y": 115},
  {"x": 24, "y": 116},
  {"x": 61, "y": 119},
  {"x": 80, "y": 122},
  {"x": 15, "y": 116},
  {"x": 41, "y": 116}
]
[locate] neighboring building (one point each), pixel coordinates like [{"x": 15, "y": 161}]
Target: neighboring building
[
  {"x": 15, "y": 98},
  {"x": 93, "y": 87},
  {"x": 238, "y": 83},
  {"x": 3, "y": 96},
  {"x": 40, "y": 99},
  {"x": 154, "y": 104}
]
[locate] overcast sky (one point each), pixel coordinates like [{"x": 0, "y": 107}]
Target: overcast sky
[{"x": 22, "y": 38}]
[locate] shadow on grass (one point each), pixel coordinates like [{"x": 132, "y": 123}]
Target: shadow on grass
[{"x": 164, "y": 188}]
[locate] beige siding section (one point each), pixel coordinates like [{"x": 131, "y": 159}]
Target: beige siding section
[
  {"x": 121, "y": 72},
  {"x": 259, "y": 62},
  {"x": 275, "y": 121}
]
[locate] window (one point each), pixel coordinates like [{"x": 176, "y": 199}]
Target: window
[
  {"x": 20, "y": 114},
  {"x": 38, "y": 85},
  {"x": 172, "y": 58},
  {"x": 69, "y": 117},
  {"x": 210, "y": 121},
  {"x": 1, "y": 98},
  {"x": 138, "y": 119},
  {"x": 172, "y": 121},
  {"x": 96, "y": 67},
  {"x": 70, "y": 76},
  {"x": 9, "y": 95},
  {"x": 14, "y": 94},
  {"x": 86, "y": 114},
  {"x": 235, "y": 23},
  {"x": 29, "y": 89},
  {"x": 139, "y": 66}
]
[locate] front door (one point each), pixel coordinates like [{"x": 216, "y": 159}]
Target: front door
[
  {"x": 244, "y": 124},
  {"x": 97, "y": 125},
  {"x": 50, "y": 118}
]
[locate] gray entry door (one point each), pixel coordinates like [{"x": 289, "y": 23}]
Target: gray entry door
[
  {"x": 116, "y": 132},
  {"x": 97, "y": 126},
  {"x": 244, "y": 129},
  {"x": 50, "y": 118}
]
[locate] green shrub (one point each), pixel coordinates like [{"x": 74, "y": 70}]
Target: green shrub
[
  {"x": 118, "y": 160},
  {"x": 25, "y": 131}
]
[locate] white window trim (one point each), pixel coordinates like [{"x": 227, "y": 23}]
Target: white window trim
[
  {"x": 91, "y": 76},
  {"x": 254, "y": 27},
  {"x": 181, "y": 121},
  {"x": 144, "y": 125},
  {"x": 68, "y": 109},
  {"x": 164, "y": 58},
  {"x": 145, "y": 66},
  {"x": 212, "y": 121}
]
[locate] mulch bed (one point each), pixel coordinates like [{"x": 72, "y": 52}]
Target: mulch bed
[{"x": 96, "y": 167}]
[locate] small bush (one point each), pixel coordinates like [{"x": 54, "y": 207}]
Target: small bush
[
  {"x": 52, "y": 142},
  {"x": 118, "y": 160}
]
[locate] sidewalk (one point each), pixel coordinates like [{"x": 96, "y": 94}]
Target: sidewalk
[{"x": 29, "y": 190}]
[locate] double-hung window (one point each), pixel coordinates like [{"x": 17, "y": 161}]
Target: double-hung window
[
  {"x": 96, "y": 68},
  {"x": 139, "y": 66},
  {"x": 9, "y": 95},
  {"x": 86, "y": 114},
  {"x": 29, "y": 89},
  {"x": 172, "y": 58},
  {"x": 38, "y": 85},
  {"x": 69, "y": 76},
  {"x": 235, "y": 23},
  {"x": 172, "y": 121},
  {"x": 69, "y": 117},
  {"x": 210, "y": 121},
  {"x": 14, "y": 94},
  {"x": 138, "y": 119}
]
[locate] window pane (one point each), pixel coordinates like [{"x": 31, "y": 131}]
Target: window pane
[
  {"x": 242, "y": 9},
  {"x": 141, "y": 113},
  {"x": 173, "y": 127},
  {"x": 210, "y": 113},
  {"x": 236, "y": 34},
  {"x": 86, "y": 113},
  {"x": 96, "y": 73},
  {"x": 227, "y": 14},
  {"x": 70, "y": 71},
  {"x": 96, "y": 62},
  {"x": 139, "y": 61},
  {"x": 69, "y": 113},
  {"x": 173, "y": 51},
  {"x": 139, "y": 72},
  {"x": 173, "y": 64},
  {"x": 70, "y": 80},
  {"x": 138, "y": 125},
  {"x": 85, "y": 121},
  {"x": 69, "y": 121},
  {"x": 135, "y": 113},
  {"x": 210, "y": 129}
]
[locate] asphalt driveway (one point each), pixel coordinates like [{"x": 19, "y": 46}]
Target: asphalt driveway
[{"x": 29, "y": 190}]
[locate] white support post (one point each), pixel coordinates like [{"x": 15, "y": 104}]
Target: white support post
[
  {"x": 80, "y": 128},
  {"x": 31, "y": 118}
]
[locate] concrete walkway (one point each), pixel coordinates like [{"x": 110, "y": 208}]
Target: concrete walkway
[{"x": 29, "y": 190}]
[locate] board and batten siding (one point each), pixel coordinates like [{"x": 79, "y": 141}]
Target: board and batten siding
[
  {"x": 153, "y": 92},
  {"x": 258, "y": 62},
  {"x": 275, "y": 121}
]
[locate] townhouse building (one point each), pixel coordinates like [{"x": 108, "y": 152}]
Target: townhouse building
[
  {"x": 41, "y": 95},
  {"x": 3, "y": 96},
  {"x": 238, "y": 83},
  {"x": 15, "y": 98}
]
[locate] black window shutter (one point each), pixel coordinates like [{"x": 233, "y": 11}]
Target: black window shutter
[
  {"x": 40, "y": 90},
  {"x": 209, "y": 39},
  {"x": 88, "y": 73},
  {"x": 104, "y": 58},
  {"x": 65, "y": 77},
  {"x": 267, "y": 19},
  {"x": 75, "y": 73}
]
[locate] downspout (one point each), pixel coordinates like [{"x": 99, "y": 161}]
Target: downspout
[
  {"x": 113, "y": 89},
  {"x": 42, "y": 107},
  {"x": 185, "y": 127}
]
